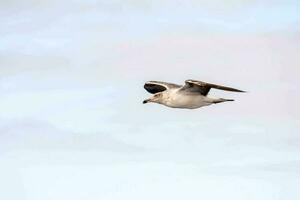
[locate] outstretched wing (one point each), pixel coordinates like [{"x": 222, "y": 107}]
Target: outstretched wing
[
  {"x": 158, "y": 86},
  {"x": 204, "y": 88}
]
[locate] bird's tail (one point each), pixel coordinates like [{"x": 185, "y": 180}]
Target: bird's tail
[{"x": 222, "y": 100}]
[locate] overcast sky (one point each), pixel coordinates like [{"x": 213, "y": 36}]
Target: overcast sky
[{"x": 72, "y": 118}]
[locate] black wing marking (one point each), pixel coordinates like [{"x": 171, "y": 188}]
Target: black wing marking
[
  {"x": 157, "y": 86},
  {"x": 204, "y": 88}
]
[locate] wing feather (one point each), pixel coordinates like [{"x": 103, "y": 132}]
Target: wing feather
[
  {"x": 204, "y": 88},
  {"x": 158, "y": 86}
]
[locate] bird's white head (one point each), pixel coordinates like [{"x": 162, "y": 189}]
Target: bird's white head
[{"x": 156, "y": 98}]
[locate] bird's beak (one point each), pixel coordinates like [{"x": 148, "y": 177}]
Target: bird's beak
[{"x": 146, "y": 101}]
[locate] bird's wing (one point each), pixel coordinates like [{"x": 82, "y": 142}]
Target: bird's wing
[
  {"x": 203, "y": 87},
  {"x": 158, "y": 86}
]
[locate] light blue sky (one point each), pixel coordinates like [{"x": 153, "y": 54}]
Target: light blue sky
[{"x": 73, "y": 125}]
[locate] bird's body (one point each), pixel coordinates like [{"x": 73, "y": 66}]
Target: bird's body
[
  {"x": 190, "y": 96},
  {"x": 177, "y": 99}
]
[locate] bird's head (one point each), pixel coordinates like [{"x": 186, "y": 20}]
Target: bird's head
[{"x": 156, "y": 98}]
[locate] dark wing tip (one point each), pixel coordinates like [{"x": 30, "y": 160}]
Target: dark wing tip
[
  {"x": 210, "y": 85},
  {"x": 153, "y": 87},
  {"x": 237, "y": 90}
]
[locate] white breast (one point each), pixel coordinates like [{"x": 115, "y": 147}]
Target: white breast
[{"x": 177, "y": 99}]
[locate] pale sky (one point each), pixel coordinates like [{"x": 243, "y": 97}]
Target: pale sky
[{"x": 71, "y": 81}]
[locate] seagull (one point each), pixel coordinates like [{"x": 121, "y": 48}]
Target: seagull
[{"x": 192, "y": 95}]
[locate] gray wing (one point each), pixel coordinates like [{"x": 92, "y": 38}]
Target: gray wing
[
  {"x": 158, "y": 86},
  {"x": 204, "y": 88}
]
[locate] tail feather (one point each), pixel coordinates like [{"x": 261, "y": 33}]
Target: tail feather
[{"x": 222, "y": 100}]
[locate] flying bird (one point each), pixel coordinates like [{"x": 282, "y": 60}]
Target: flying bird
[{"x": 192, "y": 95}]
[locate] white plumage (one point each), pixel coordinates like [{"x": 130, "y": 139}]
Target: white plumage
[{"x": 190, "y": 96}]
